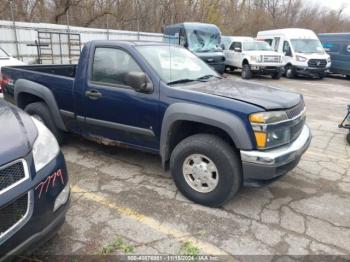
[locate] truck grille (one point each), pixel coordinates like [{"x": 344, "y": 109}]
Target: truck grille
[
  {"x": 11, "y": 174},
  {"x": 317, "y": 63},
  {"x": 271, "y": 59},
  {"x": 12, "y": 214},
  {"x": 296, "y": 110}
]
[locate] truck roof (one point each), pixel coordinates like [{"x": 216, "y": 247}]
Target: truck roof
[
  {"x": 289, "y": 32},
  {"x": 237, "y": 38},
  {"x": 130, "y": 42}
]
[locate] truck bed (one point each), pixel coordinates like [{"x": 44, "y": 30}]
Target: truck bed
[
  {"x": 58, "y": 78},
  {"x": 60, "y": 70}
]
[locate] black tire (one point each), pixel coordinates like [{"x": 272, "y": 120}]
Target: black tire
[
  {"x": 348, "y": 76},
  {"x": 222, "y": 155},
  {"x": 276, "y": 75},
  {"x": 40, "y": 109},
  {"x": 246, "y": 72},
  {"x": 290, "y": 72},
  {"x": 321, "y": 75},
  {"x": 348, "y": 138}
]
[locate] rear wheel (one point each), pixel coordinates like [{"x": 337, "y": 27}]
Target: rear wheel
[
  {"x": 40, "y": 111},
  {"x": 206, "y": 170},
  {"x": 290, "y": 72},
  {"x": 246, "y": 72}
]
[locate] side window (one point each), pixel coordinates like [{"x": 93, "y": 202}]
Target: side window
[
  {"x": 236, "y": 46},
  {"x": 111, "y": 66},
  {"x": 286, "y": 48}
]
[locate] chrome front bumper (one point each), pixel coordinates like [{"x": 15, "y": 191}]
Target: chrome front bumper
[{"x": 261, "y": 166}]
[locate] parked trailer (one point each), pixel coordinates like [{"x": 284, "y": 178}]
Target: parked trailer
[{"x": 337, "y": 45}]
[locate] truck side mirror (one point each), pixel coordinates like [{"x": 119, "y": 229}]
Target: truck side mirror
[
  {"x": 222, "y": 46},
  {"x": 139, "y": 82}
]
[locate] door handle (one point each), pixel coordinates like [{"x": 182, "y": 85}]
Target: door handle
[{"x": 93, "y": 94}]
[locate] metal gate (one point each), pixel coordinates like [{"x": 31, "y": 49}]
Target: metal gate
[{"x": 58, "y": 47}]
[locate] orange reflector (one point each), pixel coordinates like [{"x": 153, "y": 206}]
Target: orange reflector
[
  {"x": 260, "y": 139},
  {"x": 257, "y": 118}
]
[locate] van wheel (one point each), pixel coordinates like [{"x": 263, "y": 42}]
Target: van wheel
[
  {"x": 290, "y": 72},
  {"x": 276, "y": 75},
  {"x": 246, "y": 72},
  {"x": 40, "y": 112},
  {"x": 206, "y": 170}
]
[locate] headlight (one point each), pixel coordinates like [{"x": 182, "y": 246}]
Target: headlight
[
  {"x": 301, "y": 58},
  {"x": 256, "y": 58},
  {"x": 266, "y": 138},
  {"x": 45, "y": 147},
  {"x": 328, "y": 59},
  {"x": 62, "y": 198}
]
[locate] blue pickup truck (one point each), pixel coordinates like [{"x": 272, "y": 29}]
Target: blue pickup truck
[{"x": 215, "y": 134}]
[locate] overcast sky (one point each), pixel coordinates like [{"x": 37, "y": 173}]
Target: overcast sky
[{"x": 335, "y": 4}]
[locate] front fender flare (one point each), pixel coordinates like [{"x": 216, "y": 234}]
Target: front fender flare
[{"x": 224, "y": 120}]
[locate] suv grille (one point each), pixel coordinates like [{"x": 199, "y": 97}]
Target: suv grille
[
  {"x": 317, "y": 63},
  {"x": 11, "y": 174},
  {"x": 296, "y": 110},
  {"x": 13, "y": 213},
  {"x": 271, "y": 59}
]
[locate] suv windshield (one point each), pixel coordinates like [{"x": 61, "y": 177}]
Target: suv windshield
[
  {"x": 3, "y": 53},
  {"x": 203, "y": 40},
  {"x": 256, "y": 46},
  {"x": 176, "y": 64},
  {"x": 307, "y": 46}
]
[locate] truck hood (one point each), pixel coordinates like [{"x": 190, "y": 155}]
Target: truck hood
[
  {"x": 17, "y": 133},
  {"x": 313, "y": 55},
  {"x": 267, "y": 97},
  {"x": 9, "y": 61},
  {"x": 256, "y": 53}
]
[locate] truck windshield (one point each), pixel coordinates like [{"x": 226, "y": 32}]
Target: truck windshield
[
  {"x": 203, "y": 40},
  {"x": 307, "y": 46},
  {"x": 256, "y": 46},
  {"x": 176, "y": 64},
  {"x": 3, "y": 53}
]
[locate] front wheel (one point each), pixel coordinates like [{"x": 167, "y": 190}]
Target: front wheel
[
  {"x": 246, "y": 72},
  {"x": 276, "y": 75},
  {"x": 206, "y": 170},
  {"x": 290, "y": 72}
]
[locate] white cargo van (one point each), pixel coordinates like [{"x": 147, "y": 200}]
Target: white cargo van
[
  {"x": 303, "y": 51},
  {"x": 253, "y": 57}
]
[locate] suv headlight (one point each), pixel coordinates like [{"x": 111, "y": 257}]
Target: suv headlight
[
  {"x": 328, "y": 59},
  {"x": 269, "y": 137},
  {"x": 45, "y": 147},
  {"x": 301, "y": 58},
  {"x": 256, "y": 58}
]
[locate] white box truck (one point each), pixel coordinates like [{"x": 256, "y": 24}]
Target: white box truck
[
  {"x": 251, "y": 56},
  {"x": 303, "y": 52}
]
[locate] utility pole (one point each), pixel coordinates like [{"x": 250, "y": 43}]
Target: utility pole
[
  {"x": 138, "y": 18},
  {"x": 12, "y": 7}
]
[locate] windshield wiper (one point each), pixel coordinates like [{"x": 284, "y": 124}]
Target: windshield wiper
[
  {"x": 205, "y": 77},
  {"x": 180, "y": 81}
]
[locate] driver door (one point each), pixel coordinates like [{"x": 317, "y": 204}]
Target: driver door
[
  {"x": 113, "y": 109},
  {"x": 237, "y": 54},
  {"x": 287, "y": 51}
]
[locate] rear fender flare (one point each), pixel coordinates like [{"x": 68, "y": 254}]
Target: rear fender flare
[{"x": 23, "y": 86}]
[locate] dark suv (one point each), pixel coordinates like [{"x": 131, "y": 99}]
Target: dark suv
[{"x": 34, "y": 188}]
